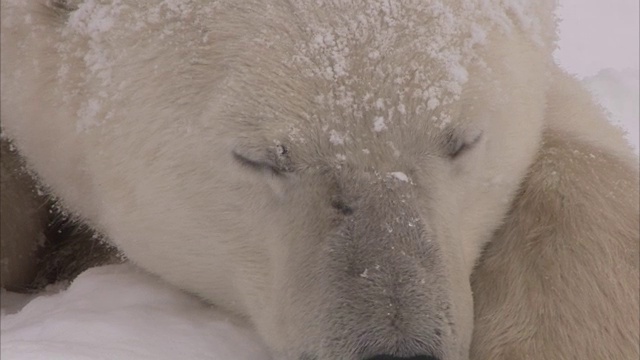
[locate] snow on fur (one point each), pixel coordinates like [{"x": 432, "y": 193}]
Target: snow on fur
[{"x": 119, "y": 312}]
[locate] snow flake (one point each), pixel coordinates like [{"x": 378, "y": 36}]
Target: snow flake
[
  {"x": 336, "y": 138},
  {"x": 378, "y": 124},
  {"x": 365, "y": 274},
  {"x": 400, "y": 176}
]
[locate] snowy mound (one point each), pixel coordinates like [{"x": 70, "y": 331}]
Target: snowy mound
[{"x": 118, "y": 312}]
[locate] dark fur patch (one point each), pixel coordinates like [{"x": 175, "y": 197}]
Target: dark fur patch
[{"x": 71, "y": 247}]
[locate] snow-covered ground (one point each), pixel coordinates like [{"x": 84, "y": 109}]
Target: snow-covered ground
[{"x": 118, "y": 312}]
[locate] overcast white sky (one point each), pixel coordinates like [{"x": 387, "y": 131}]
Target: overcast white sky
[{"x": 598, "y": 34}]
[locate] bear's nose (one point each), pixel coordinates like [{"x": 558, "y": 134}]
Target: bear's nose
[{"x": 391, "y": 357}]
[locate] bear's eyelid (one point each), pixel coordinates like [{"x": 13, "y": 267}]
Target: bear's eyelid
[
  {"x": 458, "y": 145},
  {"x": 276, "y": 160}
]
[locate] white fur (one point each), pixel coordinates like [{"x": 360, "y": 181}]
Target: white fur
[{"x": 154, "y": 122}]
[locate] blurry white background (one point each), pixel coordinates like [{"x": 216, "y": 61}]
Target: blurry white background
[{"x": 599, "y": 43}]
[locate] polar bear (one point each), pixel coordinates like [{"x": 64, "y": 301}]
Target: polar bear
[{"x": 358, "y": 179}]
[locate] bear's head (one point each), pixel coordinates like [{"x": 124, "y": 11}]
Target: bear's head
[{"x": 372, "y": 171}]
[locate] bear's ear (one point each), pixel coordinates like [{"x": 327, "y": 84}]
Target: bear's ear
[{"x": 259, "y": 156}]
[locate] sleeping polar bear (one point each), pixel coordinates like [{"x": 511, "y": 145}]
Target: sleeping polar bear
[{"x": 333, "y": 170}]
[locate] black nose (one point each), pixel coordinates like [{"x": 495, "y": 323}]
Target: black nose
[{"x": 391, "y": 357}]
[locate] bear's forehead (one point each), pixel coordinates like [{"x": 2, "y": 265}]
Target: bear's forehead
[
  {"x": 371, "y": 127},
  {"x": 378, "y": 80},
  {"x": 313, "y": 142},
  {"x": 362, "y": 83}
]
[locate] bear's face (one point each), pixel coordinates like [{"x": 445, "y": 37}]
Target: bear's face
[
  {"x": 329, "y": 169},
  {"x": 371, "y": 233}
]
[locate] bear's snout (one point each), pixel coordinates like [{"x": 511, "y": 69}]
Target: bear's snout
[{"x": 391, "y": 357}]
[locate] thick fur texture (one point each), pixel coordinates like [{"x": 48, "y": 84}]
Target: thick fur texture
[
  {"x": 560, "y": 279},
  {"x": 332, "y": 170}
]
